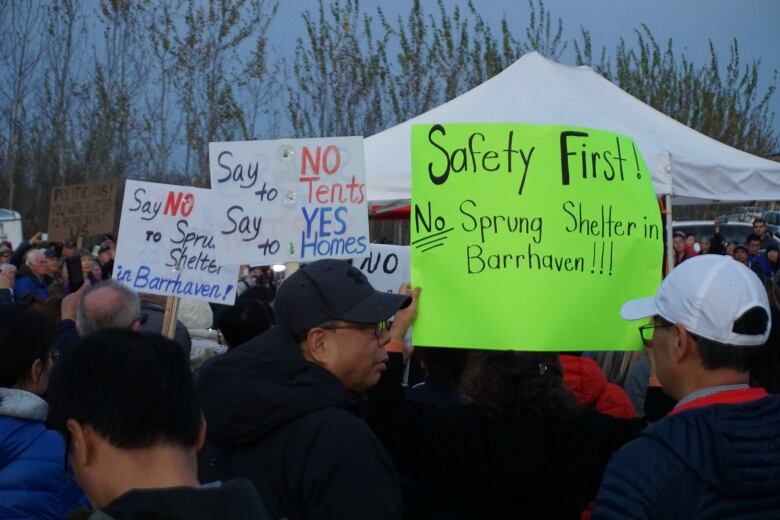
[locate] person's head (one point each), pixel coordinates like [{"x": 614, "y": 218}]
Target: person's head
[
  {"x": 710, "y": 316},
  {"x": 245, "y": 320},
  {"x": 705, "y": 245},
  {"x": 36, "y": 261},
  {"x": 443, "y": 364},
  {"x": 261, "y": 293},
  {"x": 730, "y": 248},
  {"x": 69, "y": 248},
  {"x": 86, "y": 259},
  {"x": 52, "y": 260},
  {"x": 126, "y": 399},
  {"x": 527, "y": 383},
  {"x": 26, "y": 354},
  {"x": 741, "y": 254},
  {"x": 759, "y": 226},
  {"x": 95, "y": 269},
  {"x": 753, "y": 244},
  {"x": 8, "y": 272},
  {"x": 108, "y": 305},
  {"x": 339, "y": 320},
  {"x": 106, "y": 252},
  {"x": 690, "y": 239},
  {"x": 678, "y": 241},
  {"x": 5, "y": 254},
  {"x": 773, "y": 253}
]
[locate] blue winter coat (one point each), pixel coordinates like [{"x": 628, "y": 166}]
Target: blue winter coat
[
  {"x": 30, "y": 284},
  {"x": 719, "y": 461},
  {"x": 33, "y": 483}
]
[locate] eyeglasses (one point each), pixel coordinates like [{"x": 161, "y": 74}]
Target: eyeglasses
[
  {"x": 647, "y": 331},
  {"x": 378, "y": 328}
]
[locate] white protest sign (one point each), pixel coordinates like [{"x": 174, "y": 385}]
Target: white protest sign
[
  {"x": 166, "y": 244},
  {"x": 289, "y": 200},
  {"x": 385, "y": 266}
]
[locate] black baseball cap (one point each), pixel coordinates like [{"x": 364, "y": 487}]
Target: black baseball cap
[{"x": 331, "y": 290}]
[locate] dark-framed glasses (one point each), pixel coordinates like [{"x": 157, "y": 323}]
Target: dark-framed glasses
[
  {"x": 378, "y": 328},
  {"x": 648, "y": 331}
]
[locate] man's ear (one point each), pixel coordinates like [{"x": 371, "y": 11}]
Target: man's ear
[
  {"x": 200, "y": 440},
  {"x": 684, "y": 344},
  {"x": 36, "y": 370},
  {"x": 315, "y": 346},
  {"x": 80, "y": 442}
]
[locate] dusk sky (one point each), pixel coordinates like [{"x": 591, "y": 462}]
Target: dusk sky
[{"x": 690, "y": 23}]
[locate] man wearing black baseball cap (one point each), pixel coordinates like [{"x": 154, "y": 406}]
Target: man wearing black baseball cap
[{"x": 283, "y": 409}]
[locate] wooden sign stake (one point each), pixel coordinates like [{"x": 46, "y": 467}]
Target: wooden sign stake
[{"x": 171, "y": 313}]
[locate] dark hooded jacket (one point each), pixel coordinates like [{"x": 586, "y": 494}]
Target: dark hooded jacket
[
  {"x": 461, "y": 462},
  {"x": 719, "y": 461},
  {"x": 288, "y": 426},
  {"x": 231, "y": 500}
]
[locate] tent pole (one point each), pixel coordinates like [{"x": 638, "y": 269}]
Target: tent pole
[{"x": 669, "y": 233}]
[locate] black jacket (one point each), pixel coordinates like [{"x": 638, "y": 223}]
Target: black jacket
[
  {"x": 461, "y": 462},
  {"x": 231, "y": 500},
  {"x": 283, "y": 423}
]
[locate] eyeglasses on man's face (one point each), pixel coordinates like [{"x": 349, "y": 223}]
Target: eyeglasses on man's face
[
  {"x": 648, "y": 331},
  {"x": 378, "y": 328}
]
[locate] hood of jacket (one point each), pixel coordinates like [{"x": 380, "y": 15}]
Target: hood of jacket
[
  {"x": 583, "y": 377},
  {"x": 257, "y": 387},
  {"x": 22, "y": 405},
  {"x": 734, "y": 448},
  {"x": 231, "y": 499}
]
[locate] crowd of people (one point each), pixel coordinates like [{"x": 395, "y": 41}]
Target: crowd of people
[
  {"x": 760, "y": 251},
  {"x": 307, "y": 401}
]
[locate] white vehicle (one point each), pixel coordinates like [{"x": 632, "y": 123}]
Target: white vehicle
[
  {"x": 736, "y": 232},
  {"x": 10, "y": 226}
]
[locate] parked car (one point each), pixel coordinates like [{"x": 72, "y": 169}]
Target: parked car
[
  {"x": 732, "y": 231},
  {"x": 772, "y": 219}
]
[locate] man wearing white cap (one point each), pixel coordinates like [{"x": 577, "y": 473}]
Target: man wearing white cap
[{"x": 717, "y": 455}]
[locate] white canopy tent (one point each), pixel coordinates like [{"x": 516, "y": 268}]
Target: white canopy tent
[{"x": 684, "y": 163}]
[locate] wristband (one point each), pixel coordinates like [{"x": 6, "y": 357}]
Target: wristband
[{"x": 394, "y": 346}]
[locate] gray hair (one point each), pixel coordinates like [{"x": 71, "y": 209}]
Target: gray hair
[
  {"x": 120, "y": 312},
  {"x": 33, "y": 255}
]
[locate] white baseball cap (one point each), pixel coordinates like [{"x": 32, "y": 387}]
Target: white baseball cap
[{"x": 707, "y": 294}]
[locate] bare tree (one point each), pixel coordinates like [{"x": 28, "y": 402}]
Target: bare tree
[
  {"x": 20, "y": 24},
  {"x": 208, "y": 67},
  {"x": 339, "y": 70}
]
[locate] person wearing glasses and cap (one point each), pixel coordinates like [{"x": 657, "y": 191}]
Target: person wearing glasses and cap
[
  {"x": 283, "y": 410},
  {"x": 717, "y": 454}
]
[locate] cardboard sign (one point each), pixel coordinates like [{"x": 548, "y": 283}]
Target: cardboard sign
[
  {"x": 166, "y": 244},
  {"x": 81, "y": 210},
  {"x": 385, "y": 266},
  {"x": 289, "y": 200},
  {"x": 530, "y": 237}
]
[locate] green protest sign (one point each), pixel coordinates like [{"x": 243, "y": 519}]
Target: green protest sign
[{"x": 530, "y": 237}]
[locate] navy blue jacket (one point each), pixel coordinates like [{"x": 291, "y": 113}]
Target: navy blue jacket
[{"x": 718, "y": 461}]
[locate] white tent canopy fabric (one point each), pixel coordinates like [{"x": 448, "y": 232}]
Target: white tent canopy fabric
[{"x": 683, "y": 162}]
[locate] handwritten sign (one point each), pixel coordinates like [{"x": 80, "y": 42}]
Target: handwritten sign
[
  {"x": 530, "y": 237},
  {"x": 81, "y": 210},
  {"x": 385, "y": 266},
  {"x": 289, "y": 200},
  {"x": 166, "y": 244}
]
